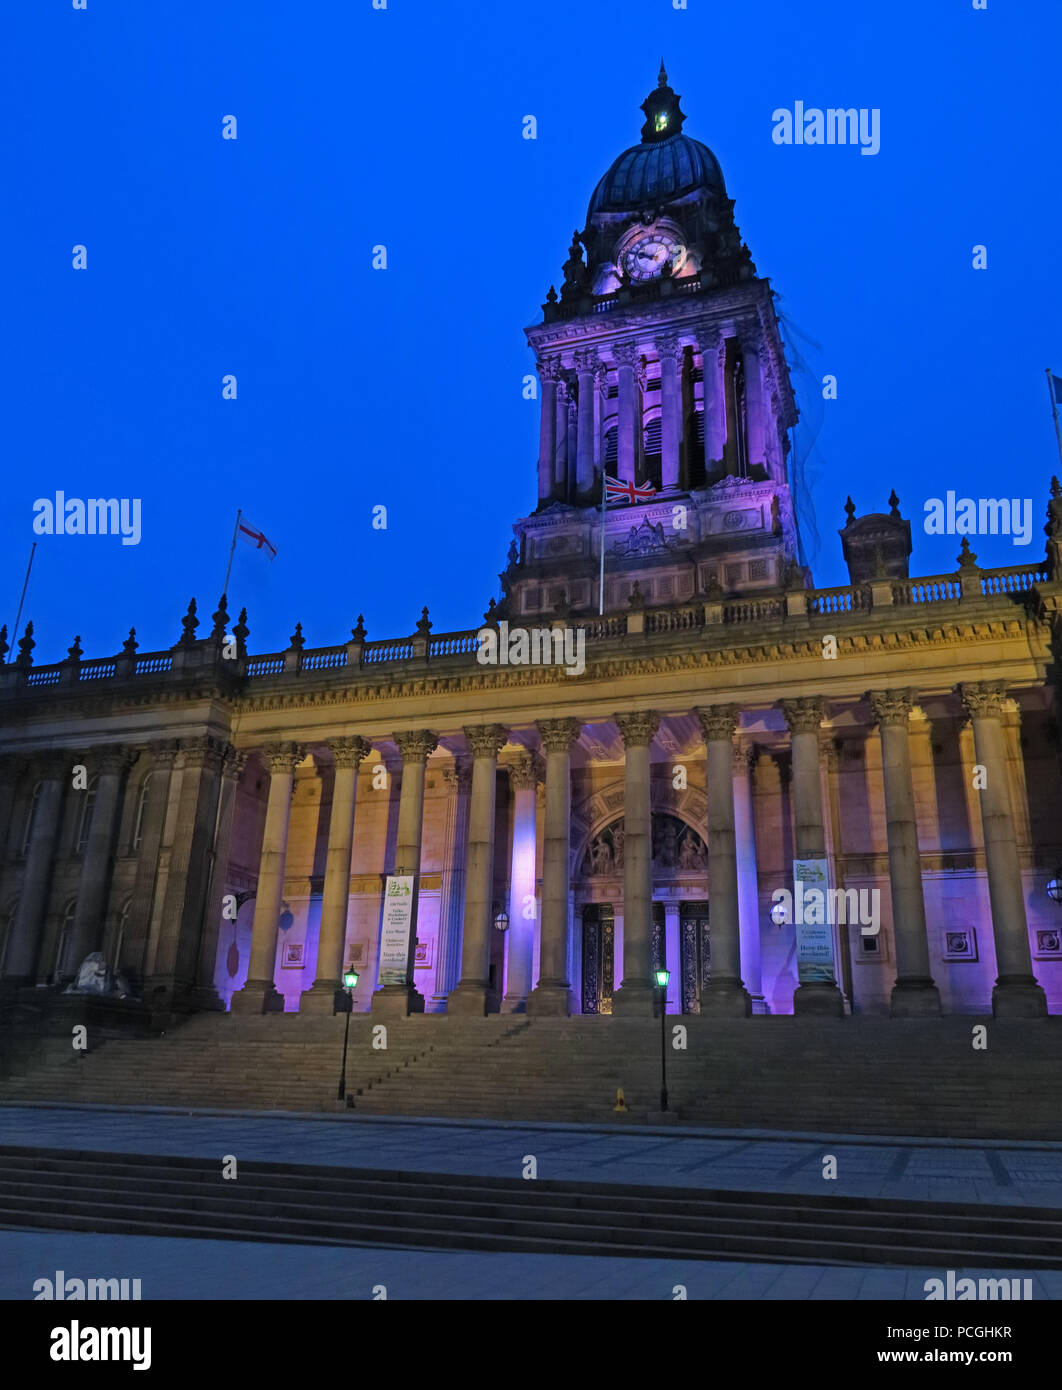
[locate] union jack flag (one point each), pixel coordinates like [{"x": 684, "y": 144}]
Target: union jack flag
[{"x": 617, "y": 491}]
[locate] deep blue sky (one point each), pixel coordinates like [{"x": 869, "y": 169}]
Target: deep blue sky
[{"x": 403, "y": 387}]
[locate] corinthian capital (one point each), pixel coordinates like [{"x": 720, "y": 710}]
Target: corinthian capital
[
  {"x": 111, "y": 761},
  {"x": 983, "y": 699},
  {"x": 718, "y": 722},
  {"x": 416, "y": 745},
  {"x": 892, "y": 706},
  {"x": 586, "y": 360},
  {"x": 549, "y": 368},
  {"x": 668, "y": 348},
  {"x": 523, "y": 773},
  {"x": 486, "y": 740},
  {"x": 348, "y": 752},
  {"x": 637, "y": 729},
  {"x": 626, "y": 354},
  {"x": 558, "y": 735},
  {"x": 283, "y": 757},
  {"x": 805, "y": 714}
]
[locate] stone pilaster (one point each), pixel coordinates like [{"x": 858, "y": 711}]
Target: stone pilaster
[
  {"x": 108, "y": 766},
  {"x": 670, "y": 355},
  {"x": 20, "y": 963},
  {"x": 205, "y": 994},
  {"x": 755, "y": 410},
  {"x": 635, "y": 995},
  {"x": 474, "y": 994},
  {"x": 551, "y": 997},
  {"x": 162, "y": 755},
  {"x": 560, "y": 447},
  {"x": 628, "y": 426},
  {"x": 521, "y": 941},
  {"x": 416, "y": 747},
  {"x": 713, "y": 360},
  {"x": 347, "y": 754},
  {"x": 458, "y": 781},
  {"x": 586, "y": 365},
  {"x": 725, "y": 995},
  {"x": 1017, "y": 993},
  {"x": 259, "y": 994},
  {"x": 804, "y": 717},
  {"x": 914, "y": 994},
  {"x": 548, "y": 371}
]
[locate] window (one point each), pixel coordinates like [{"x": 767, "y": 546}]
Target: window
[
  {"x": 141, "y": 809},
  {"x": 31, "y": 817},
  {"x": 85, "y": 823}
]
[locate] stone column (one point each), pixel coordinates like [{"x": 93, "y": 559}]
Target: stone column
[
  {"x": 560, "y": 454},
  {"x": 914, "y": 994},
  {"x": 804, "y": 716},
  {"x": 474, "y": 995},
  {"x": 635, "y": 995},
  {"x": 628, "y": 425},
  {"x": 754, "y": 404},
  {"x": 347, "y": 754},
  {"x": 1017, "y": 993},
  {"x": 108, "y": 765},
  {"x": 11, "y": 773},
  {"x": 260, "y": 995},
  {"x": 205, "y": 994},
  {"x": 713, "y": 360},
  {"x": 748, "y": 875},
  {"x": 416, "y": 747},
  {"x": 548, "y": 370},
  {"x": 20, "y": 963},
  {"x": 551, "y": 997},
  {"x": 521, "y": 942},
  {"x": 670, "y": 355},
  {"x": 725, "y": 995},
  {"x": 458, "y": 781},
  {"x": 162, "y": 755},
  {"x": 586, "y": 366}
]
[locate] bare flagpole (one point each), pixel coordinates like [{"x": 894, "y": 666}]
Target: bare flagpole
[
  {"x": 232, "y": 551},
  {"x": 1054, "y": 409},
  {"x": 22, "y": 600}
]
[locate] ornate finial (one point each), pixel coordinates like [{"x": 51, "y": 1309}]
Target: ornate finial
[
  {"x": 189, "y": 623},
  {"x": 424, "y": 627},
  {"x": 663, "y": 115},
  {"x": 130, "y": 644},
  {"x": 1056, "y": 488},
  {"x": 513, "y": 556},
  {"x": 241, "y": 632},
  {"x": 490, "y": 617},
  {"x": 967, "y": 559},
  {"x": 25, "y": 648},
  {"x": 849, "y": 511},
  {"x": 551, "y": 295},
  {"x": 358, "y": 633},
  {"x": 4, "y": 646},
  {"x": 75, "y": 653},
  {"x": 296, "y": 639},
  {"x": 221, "y": 619},
  {"x": 661, "y": 80},
  {"x": 894, "y": 503}
]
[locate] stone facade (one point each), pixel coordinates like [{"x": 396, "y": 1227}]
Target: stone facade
[{"x": 221, "y": 824}]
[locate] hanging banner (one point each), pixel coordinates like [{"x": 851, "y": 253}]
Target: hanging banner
[
  {"x": 394, "y": 938},
  {"x": 814, "y": 931}
]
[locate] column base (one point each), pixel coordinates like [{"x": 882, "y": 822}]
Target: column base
[
  {"x": 320, "y": 998},
  {"x": 257, "y": 997},
  {"x": 634, "y": 1001},
  {"x": 1018, "y": 997},
  {"x": 818, "y": 1000},
  {"x": 760, "y": 1006},
  {"x": 915, "y": 997},
  {"x": 514, "y": 1004},
  {"x": 725, "y": 999},
  {"x": 396, "y": 1001},
  {"x": 472, "y": 1000},
  {"x": 550, "y": 1001}
]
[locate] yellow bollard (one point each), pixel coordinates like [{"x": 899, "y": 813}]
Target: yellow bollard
[{"x": 621, "y": 1104}]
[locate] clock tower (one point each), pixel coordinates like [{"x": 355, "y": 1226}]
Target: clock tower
[{"x": 661, "y": 365}]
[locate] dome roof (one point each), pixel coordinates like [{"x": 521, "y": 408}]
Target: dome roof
[{"x": 656, "y": 172}]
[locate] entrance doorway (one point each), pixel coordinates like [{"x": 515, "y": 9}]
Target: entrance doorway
[
  {"x": 599, "y": 942},
  {"x": 696, "y": 950}
]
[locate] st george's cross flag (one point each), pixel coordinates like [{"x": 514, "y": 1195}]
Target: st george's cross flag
[
  {"x": 1056, "y": 387},
  {"x": 252, "y": 536},
  {"x": 617, "y": 491}
]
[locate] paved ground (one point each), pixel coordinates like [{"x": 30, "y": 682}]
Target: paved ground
[{"x": 997, "y": 1172}]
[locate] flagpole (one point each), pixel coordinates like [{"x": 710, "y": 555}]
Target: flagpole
[
  {"x": 601, "y": 581},
  {"x": 1054, "y": 410},
  {"x": 22, "y": 600},
  {"x": 232, "y": 551}
]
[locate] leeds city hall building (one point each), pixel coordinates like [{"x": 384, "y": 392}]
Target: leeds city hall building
[{"x": 566, "y": 827}]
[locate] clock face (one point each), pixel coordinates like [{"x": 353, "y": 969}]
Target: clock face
[{"x": 645, "y": 259}]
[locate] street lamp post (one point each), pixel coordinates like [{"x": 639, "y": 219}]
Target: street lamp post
[
  {"x": 345, "y": 1001},
  {"x": 662, "y": 977}
]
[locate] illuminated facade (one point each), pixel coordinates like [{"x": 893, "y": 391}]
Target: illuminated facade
[{"x": 570, "y": 827}]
